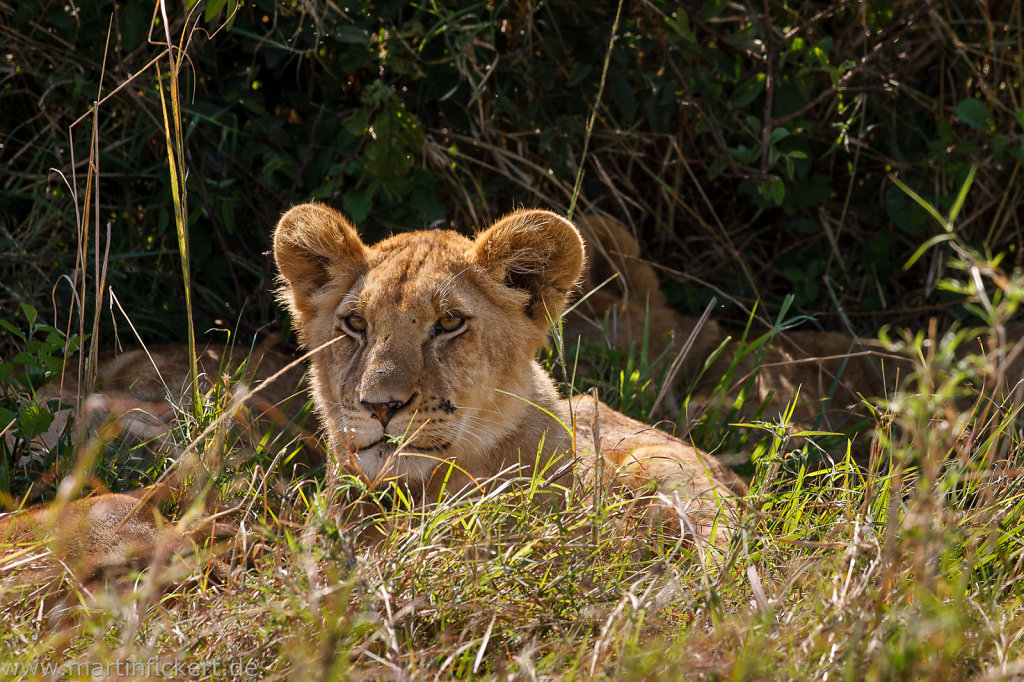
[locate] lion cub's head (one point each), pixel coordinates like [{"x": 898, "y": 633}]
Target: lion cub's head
[{"x": 429, "y": 337}]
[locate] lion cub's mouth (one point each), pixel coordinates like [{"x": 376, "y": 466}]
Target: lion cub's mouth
[{"x": 388, "y": 446}]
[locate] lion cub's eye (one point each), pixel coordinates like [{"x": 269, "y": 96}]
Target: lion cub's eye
[
  {"x": 449, "y": 322},
  {"x": 355, "y": 324}
]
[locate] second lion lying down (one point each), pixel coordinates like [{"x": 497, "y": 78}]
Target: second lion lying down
[
  {"x": 423, "y": 370},
  {"x": 831, "y": 377}
]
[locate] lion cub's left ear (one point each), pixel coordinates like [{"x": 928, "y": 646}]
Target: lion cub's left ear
[{"x": 538, "y": 252}]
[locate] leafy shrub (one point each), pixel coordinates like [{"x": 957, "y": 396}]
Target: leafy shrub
[
  {"x": 748, "y": 144},
  {"x": 41, "y": 358}
]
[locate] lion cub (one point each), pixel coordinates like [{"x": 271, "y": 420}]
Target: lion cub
[
  {"x": 424, "y": 366},
  {"x": 423, "y": 370}
]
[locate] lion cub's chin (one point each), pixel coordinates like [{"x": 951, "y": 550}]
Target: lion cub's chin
[{"x": 392, "y": 460}]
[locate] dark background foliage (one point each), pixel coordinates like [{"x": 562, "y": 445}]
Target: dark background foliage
[{"x": 748, "y": 145}]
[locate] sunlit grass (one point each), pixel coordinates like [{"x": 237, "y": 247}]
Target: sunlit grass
[{"x": 838, "y": 570}]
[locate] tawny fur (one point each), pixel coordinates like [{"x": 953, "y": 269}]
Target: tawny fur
[
  {"x": 142, "y": 388},
  {"x": 835, "y": 376},
  {"x": 91, "y": 535},
  {"x": 472, "y": 404},
  {"x": 139, "y": 391},
  {"x": 401, "y": 396},
  {"x": 473, "y": 400}
]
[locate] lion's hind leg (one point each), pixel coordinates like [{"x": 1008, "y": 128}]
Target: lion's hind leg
[
  {"x": 684, "y": 494},
  {"x": 673, "y": 482}
]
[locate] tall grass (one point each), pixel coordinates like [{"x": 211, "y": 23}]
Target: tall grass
[{"x": 908, "y": 567}]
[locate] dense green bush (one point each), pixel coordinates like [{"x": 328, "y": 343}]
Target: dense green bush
[{"x": 748, "y": 144}]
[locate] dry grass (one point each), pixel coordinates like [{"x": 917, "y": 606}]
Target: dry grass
[{"x": 908, "y": 567}]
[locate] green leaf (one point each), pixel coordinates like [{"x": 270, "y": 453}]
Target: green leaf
[
  {"x": 937, "y": 239},
  {"x": 227, "y": 217},
  {"x": 30, "y": 314},
  {"x": 357, "y": 204},
  {"x": 748, "y": 91},
  {"x": 811, "y": 191},
  {"x": 961, "y": 196},
  {"x": 24, "y": 358},
  {"x": 681, "y": 25},
  {"x": 232, "y": 14},
  {"x": 778, "y": 191},
  {"x": 397, "y": 142},
  {"x": 794, "y": 273},
  {"x": 359, "y": 122},
  {"x": 51, "y": 363},
  {"x": 976, "y": 114},
  {"x": 920, "y": 201},
  {"x": 717, "y": 166},
  {"x": 773, "y": 190},
  {"x": 33, "y": 421},
  {"x": 944, "y": 129},
  {"x": 712, "y": 9},
  {"x": 352, "y": 35},
  {"x": 11, "y": 329},
  {"x": 580, "y": 72},
  {"x": 213, "y": 8},
  {"x": 133, "y": 20}
]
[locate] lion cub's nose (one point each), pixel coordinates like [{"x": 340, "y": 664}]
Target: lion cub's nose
[{"x": 384, "y": 411}]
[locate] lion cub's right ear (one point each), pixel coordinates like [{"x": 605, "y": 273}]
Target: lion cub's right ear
[{"x": 314, "y": 244}]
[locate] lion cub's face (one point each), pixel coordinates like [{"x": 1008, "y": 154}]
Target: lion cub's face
[{"x": 428, "y": 337}]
